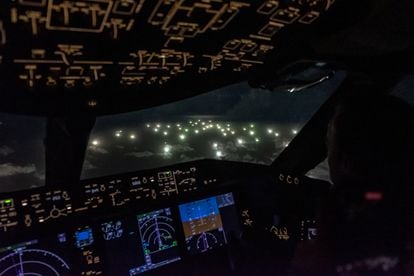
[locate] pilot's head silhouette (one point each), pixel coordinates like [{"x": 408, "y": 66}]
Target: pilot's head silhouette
[
  {"x": 372, "y": 141},
  {"x": 371, "y": 159}
]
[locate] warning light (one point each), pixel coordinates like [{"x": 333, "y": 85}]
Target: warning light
[{"x": 373, "y": 196}]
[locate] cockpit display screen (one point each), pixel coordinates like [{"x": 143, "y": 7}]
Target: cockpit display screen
[
  {"x": 28, "y": 258},
  {"x": 308, "y": 230},
  {"x": 206, "y": 222},
  {"x": 62, "y": 253},
  {"x": 158, "y": 240},
  {"x": 140, "y": 243}
]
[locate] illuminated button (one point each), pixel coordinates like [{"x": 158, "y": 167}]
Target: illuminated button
[{"x": 84, "y": 238}]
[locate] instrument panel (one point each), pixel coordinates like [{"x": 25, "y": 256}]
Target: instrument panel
[
  {"x": 117, "y": 225},
  {"x": 124, "y": 244},
  {"x": 40, "y": 206},
  {"x": 75, "y": 28},
  {"x": 150, "y": 220}
]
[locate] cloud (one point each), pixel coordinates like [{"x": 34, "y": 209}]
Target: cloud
[
  {"x": 9, "y": 169},
  {"x": 232, "y": 156},
  {"x": 5, "y": 151},
  {"x": 181, "y": 148},
  {"x": 230, "y": 147},
  {"x": 141, "y": 154},
  {"x": 98, "y": 150},
  {"x": 87, "y": 165},
  {"x": 261, "y": 162},
  {"x": 185, "y": 158},
  {"x": 248, "y": 158},
  {"x": 40, "y": 175}
]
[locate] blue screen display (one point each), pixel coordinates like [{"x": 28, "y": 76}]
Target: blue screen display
[
  {"x": 199, "y": 209},
  {"x": 84, "y": 237},
  {"x": 204, "y": 222}
]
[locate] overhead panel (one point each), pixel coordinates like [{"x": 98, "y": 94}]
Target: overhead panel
[{"x": 60, "y": 46}]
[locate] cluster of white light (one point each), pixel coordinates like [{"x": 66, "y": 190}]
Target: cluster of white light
[
  {"x": 200, "y": 126},
  {"x": 167, "y": 149}
]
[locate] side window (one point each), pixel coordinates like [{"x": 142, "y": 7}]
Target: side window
[
  {"x": 22, "y": 152},
  {"x": 404, "y": 89},
  {"x": 321, "y": 171}
]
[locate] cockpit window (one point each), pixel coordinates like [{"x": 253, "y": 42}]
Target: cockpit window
[
  {"x": 236, "y": 123},
  {"x": 22, "y": 152},
  {"x": 403, "y": 89}
]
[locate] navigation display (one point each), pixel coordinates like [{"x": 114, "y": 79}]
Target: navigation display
[
  {"x": 206, "y": 222},
  {"x": 158, "y": 239},
  {"x": 28, "y": 259},
  {"x": 136, "y": 244},
  {"x": 62, "y": 253}
]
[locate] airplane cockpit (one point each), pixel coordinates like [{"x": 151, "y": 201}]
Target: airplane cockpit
[{"x": 186, "y": 137}]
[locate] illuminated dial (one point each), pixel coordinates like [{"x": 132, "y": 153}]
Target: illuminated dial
[
  {"x": 32, "y": 262},
  {"x": 42, "y": 207},
  {"x": 206, "y": 241},
  {"x": 157, "y": 232}
]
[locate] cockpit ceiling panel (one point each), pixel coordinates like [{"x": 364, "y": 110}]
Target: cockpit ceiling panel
[{"x": 57, "y": 48}]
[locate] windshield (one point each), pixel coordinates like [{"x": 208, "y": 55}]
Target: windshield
[
  {"x": 22, "y": 152},
  {"x": 235, "y": 123}
]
